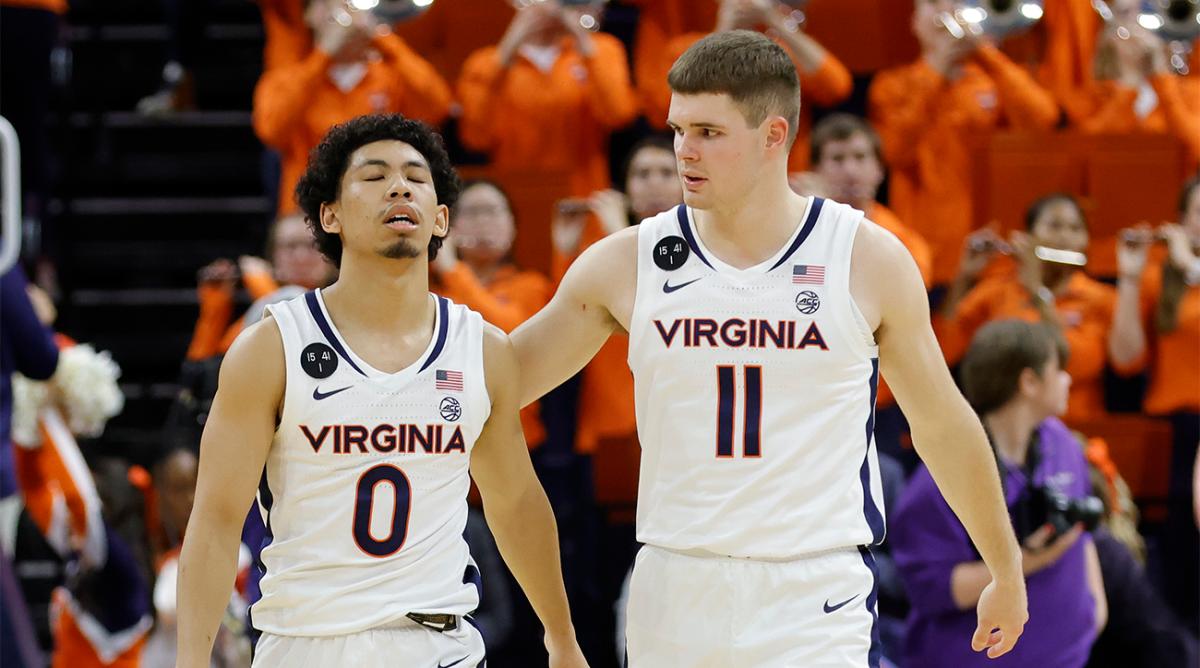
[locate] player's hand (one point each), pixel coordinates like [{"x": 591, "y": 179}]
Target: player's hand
[
  {"x": 1003, "y": 610},
  {"x": 565, "y": 653}
]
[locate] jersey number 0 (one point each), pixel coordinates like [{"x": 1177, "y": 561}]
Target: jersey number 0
[{"x": 364, "y": 505}]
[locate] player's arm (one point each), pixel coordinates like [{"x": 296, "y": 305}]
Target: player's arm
[
  {"x": 233, "y": 450},
  {"x": 945, "y": 431},
  {"x": 516, "y": 506},
  {"x": 560, "y": 339}
]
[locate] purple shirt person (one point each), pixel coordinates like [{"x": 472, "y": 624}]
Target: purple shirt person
[{"x": 1013, "y": 378}]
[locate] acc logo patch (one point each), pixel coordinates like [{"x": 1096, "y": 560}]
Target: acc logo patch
[
  {"x": 451, "y": 409},
  {"x": 808, "y": 302}
]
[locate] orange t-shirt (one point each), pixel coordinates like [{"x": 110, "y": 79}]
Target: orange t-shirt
[
  {"x": 919, "y": 248},
  {"x": 1174, "y": 383},
  {"x": 512, "y": 297},
  {"x": 1071, "y": 28},
  {"x": 287, "y": 37},
  {"x": 295, "y": 104},
  {"x": 912, "y": 240},
  {"x": 930, "y": 128},
  {"x": 659, "y": 22},
  {"x": 529, "y": 119},
  {"x": 828, "y": 85},
  {"x": 1108, "y": 107},
  {"x": 1085, "y": 310}
]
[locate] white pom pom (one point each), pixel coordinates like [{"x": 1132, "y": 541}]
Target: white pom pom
[
  {"x": 87, "y": 384},
  {"x": 29, "y": 396}
]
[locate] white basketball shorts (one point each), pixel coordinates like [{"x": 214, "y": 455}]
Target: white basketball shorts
[
  {"x": 689, "y": 611},
  {"x": 407, "y": 644}
]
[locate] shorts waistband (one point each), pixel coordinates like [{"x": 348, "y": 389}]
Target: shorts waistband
[{"x": 806, "y": 556}]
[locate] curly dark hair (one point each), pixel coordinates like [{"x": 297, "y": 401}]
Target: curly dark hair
[{"x": 322, "y": 179}]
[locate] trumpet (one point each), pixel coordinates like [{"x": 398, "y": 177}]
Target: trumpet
[
  {"x": 793, "y": 11},
  {"x": 387, "y": 12},
  {"x": 994, "y": 18},
  {"x": 1140, "y": 237},
  {"x": 1175, "y": 21},
  {"x": 1043, "y": 253},
  {"x": 589, "y": 20}
]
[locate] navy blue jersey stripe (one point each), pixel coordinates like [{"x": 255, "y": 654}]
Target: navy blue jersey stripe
[
  {"x": 751, "y": 446},
  {"x": 876, "y": 651},
  {"x": 814, "y": 212},
  {"x": 315, "y": 308},
  {"x": 267, "y": 500},
  {"x": 725, "y": 392},
  {"x": 686, "y": 228},
  {"x": 443, "y": 330},
  {"x": 870, "y": 509}
]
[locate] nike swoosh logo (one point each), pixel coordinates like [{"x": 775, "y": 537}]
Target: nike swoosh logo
[
  {"x": 839, "y": 606},
  {"x": 447, "y": 665},
  {"x": 668, "y": 288},
  {"x": 319, "y": 395}
]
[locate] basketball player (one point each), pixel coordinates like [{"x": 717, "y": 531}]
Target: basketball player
[
  {"x": 355, "y": 411},
  {"x": 759, "y": 322}
]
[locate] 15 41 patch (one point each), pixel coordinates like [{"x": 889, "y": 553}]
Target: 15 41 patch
[
  {"x": 318, "y": 360},
  {"x": 670, "y": 253}
]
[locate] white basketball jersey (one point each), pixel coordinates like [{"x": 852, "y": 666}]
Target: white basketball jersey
[
  {"x": 755, "y": 394},
  {"x": 364, "y": 496}
]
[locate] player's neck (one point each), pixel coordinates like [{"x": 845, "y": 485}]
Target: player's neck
[
  {"x": 1011, "y": 426},
  {"x": 380, "y": 291},
  {"x": 747, "y": 232}
]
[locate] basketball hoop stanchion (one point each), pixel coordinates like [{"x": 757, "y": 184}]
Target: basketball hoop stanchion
[{"x": 10, "y": 205}]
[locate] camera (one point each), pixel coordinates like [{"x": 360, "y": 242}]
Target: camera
[{"x": 1049, "y": 506}]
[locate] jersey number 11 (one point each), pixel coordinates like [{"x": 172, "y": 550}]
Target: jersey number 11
[{"x": 751, "y": 411}]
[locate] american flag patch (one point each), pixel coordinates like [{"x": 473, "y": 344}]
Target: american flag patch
[
  {"x": 808, "y": 274},
  {"x": 449, "y": 380}
]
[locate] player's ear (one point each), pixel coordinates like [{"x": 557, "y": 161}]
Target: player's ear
[
  {"x": 777, "y": 132},
  {"x": 441, "y": 223},
  {"x": 329, "y": 218}
]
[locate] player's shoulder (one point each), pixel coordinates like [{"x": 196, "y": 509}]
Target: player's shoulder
[
  {"x": 255, "y": 362},
  {"x": 884, "y": 278},
  {"x": 616, "y": 252},
  {"x": 499, "y": 359},
  {"x": 875, "y": 243},
  {"x": 261, "y": 338}
]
